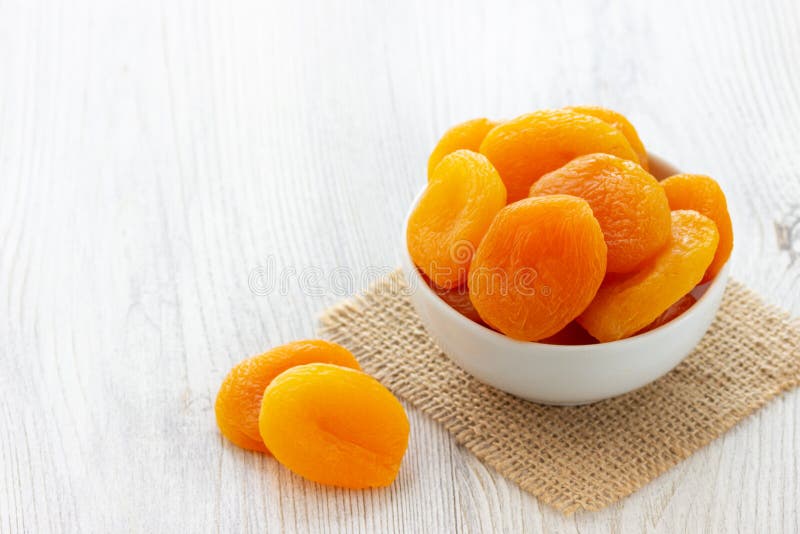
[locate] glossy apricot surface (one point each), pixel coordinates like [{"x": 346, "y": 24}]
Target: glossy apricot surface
[
  {"x": 538, "y": 266},
  {"x": 467, "y": 135},
  {"x": 627, "y": 303},
  {"x": 704, "y": 195},
  {"x": 334, "y": 425},
  {"x": 455, "y": 210},
  {"x": 238, "y": 402},
  {"x": 621, "y": 123},
  {"x": 524, "y": 149},
  {"x": 627, "y": 201}
]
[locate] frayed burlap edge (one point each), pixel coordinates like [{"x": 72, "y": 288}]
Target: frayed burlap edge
[{"x": 586, "y": 457}]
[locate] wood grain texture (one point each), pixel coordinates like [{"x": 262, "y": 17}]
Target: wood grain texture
[{"x": 154, "y": 156}]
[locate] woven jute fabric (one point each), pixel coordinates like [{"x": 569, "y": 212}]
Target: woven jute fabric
[{"x": 585, "y": 457}]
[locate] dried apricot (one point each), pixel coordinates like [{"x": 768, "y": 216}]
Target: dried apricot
[
  {"x": 457, "y": 298},
  {"x": 239, "y": 399},
  {"x": 467, "y": 135},
  {"x": 704, "y": 195},
  {"x": 572, "y": 334},
  {"x": 629, "y": 204},
  {"x": 538, "y": 266},
  {"x": 626, "y": 304},
  {"x": 673, "y": 312},
  {"x": 525, "y": 148},
  {"x": 335, "y": 426},
  {"x": 456, "y": 208},
  {"x": 621, "y": 123}
]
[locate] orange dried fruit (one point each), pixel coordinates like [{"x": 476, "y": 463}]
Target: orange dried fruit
[
  {"x": 627, "y": 201},
  {"x": 538, "y": 266},
  {"x": 572, "y": 334},
  {"x": 457, "y": 298},
  {"x": 335, "y": 426},
  {"x": 673, "y": 312},
  {"x": 525, "y": 148},
  {"x": 621, "y": 123},
  {"x": 704, "y": 195},
  {"x": 238, "y": 402},
  {"x": 467, "y": 135},
  {"x": 456, "y": 208},
  {"x": 626, "y": 304}
]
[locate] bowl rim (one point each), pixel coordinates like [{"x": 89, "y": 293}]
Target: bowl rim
[{"x": 720, "y": 278}]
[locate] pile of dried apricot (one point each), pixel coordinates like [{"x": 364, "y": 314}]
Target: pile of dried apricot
[
  {"x": 309, "y": 405},
  {"x": 549, "y": 227}
]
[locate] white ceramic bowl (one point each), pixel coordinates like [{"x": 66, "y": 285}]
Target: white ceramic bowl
[{"x": 561, "y": 374}]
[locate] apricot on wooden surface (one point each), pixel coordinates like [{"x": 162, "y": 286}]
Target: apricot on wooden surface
[
  {"x": 621, "y": 123},
  {"x": 238, "y": 402},
  {"x": 525, "y": 148},
  {"x": 627, "y": 303},
  {"x": 456, "y": 208},
  {"x": 704, "y": 195},
  {"x": 538, "y": 266},
  {"x": 334, "y": 425},
  {"x": 627, "y": 201},
  {"x": 467, "y": 135}
]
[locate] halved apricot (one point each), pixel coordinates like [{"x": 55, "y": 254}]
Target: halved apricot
[
  {"x": 621, "y": 123},
  {"x": 525, "y": 148},
  {"x": 467, "y": 135},
  {"x": 538, "y": 266},
  {"x": 627, "y": 201},
  {"x": 335, "y": 426},
  {"x": 456, "y": 208},
  {"x": 704, "y": 195},
  {"x": 627, "y": 303},
  {"x": 238, "y": 402}
]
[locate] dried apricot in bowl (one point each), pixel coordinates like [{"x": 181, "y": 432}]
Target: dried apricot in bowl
[
  {"x": 627, "y": 201},
  {"x": 238, "y": 402},
  {"x": 335, "y": 426},
  {"x": 627, "y": 303},
  {"x": 572, "y": 334},
  {"x": 673, "y": 312},
  {"x": 456, "y": 208},
  {"x": 538, "y": 266},
  {"x": 621, "y": 123},
  {"x": 457, "y": 298},
  {"x": 704, "y": 195},
  {"x": 525, "y": 148},
  {"x": 467, "y": 135}
]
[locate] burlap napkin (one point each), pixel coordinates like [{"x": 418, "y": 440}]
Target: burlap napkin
[{"x": 586, "y": 457}]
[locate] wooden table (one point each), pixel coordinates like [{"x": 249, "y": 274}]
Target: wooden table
[{"x": 160, "y": 160}]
